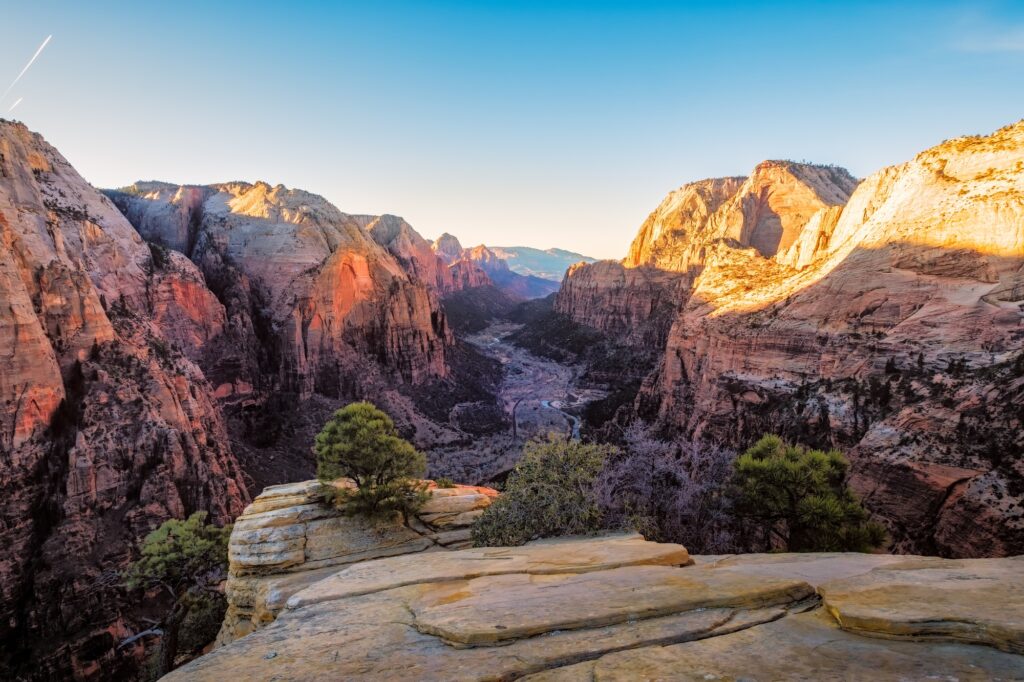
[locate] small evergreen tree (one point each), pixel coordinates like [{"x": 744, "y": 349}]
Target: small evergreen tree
[
  {"x": 799, "y": 498},
  {"x": 549, "y": 493},
  {"x": 360, "y": 442},
  {"x": 188, "y": 560}
]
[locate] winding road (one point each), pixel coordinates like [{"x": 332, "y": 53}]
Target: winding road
[{"x": 535, "y": 391}]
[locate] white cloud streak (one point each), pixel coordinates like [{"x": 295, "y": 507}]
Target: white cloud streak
[
  {"x": 30, "y": 63},
  {"x": 15, "y": 104}
]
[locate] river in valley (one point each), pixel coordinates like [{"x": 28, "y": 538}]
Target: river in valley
[{"x": 538, "y": 395}]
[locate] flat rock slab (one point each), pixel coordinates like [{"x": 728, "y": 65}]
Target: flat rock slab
[
  {"x": 814, "y": 568},
  {"x": 807, "y": 646},
  {"x": 979, "y": 601},
  {"x": 495, "y": 609},
  {"x": 373, "y": 637},
  {"x": 572, "y": 555}
]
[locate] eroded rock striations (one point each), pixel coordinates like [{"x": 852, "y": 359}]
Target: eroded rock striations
[
  {"x": 619, "y": 607},
  {"x": 107, "y": 427},
  {"x": 885, "y": 317},
  {"x": 292, "y": 536},
  {"x": 321, "y": 307}
]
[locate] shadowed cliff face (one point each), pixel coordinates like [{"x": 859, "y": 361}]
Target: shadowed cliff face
[
  {"x": 891, "y": 325},
  {"x": 107, "y": 428},
  {"x": 321, "y": 307}
]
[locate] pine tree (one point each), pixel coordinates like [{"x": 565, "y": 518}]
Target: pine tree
[
  {"x": 360, "y": 442},
  {"x": 799, "y": 499},
  {"x": 188, "y": 560}
]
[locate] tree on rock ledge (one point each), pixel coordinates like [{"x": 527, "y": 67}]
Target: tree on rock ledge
[
  {"x": 360, "y": 442},
  {"x": 187, "y": 559},
  {"x": 798, "y": 499}
]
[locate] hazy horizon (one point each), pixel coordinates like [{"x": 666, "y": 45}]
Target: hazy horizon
[{"x": 549, "y": 125}]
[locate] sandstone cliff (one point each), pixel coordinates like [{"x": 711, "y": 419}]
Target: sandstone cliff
[
  {"x": 107, "y": 428},
  {"x": 891, "y": 328},
  {"x": 888, "y": 322},
  {"x": 321, "y": 307},
  {"x": 439, "y": 270},
  {"x": 617, "y": 607}
]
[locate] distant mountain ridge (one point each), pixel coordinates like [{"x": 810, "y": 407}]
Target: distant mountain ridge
[
  {"x": 544, "y": 263},
  {"x": 514, "y": 282}
]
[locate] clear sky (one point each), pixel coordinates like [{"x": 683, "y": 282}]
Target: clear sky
[{"x": 511, "y": 123}]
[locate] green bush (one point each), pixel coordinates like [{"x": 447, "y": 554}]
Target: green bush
[
  {"x": 188, "y": 560},
  {"x": 549, "y": 493},
  {"x": 444, "y": 483},
  {"x": 798, "y": 499},
  {"x": 360, "y": 442}
]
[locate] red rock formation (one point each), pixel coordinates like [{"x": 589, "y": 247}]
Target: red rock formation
[
  {"x": 890, "y": 326},
  {"x": 466, "y": 274},
  {"x": 106, "y": 429},
  {"x": 322, "y": 292},
  {"x": 438, "y": 269},
  {"x": 633, "y": 304}
]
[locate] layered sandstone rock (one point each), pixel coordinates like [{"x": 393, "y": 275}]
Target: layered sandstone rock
[
  {"x": 493, "y": 267},
  {"x": 431, "y": 264},
  {"x": 292, "y": 536},
  {"x": 618, "y": 607},
  {"x": 893, "y": 329},
  {"x": 635, "y": 305},
  {"x": 106, "y": 427}
]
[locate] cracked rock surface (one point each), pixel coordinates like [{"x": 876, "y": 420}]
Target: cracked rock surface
[{"x": 621, "y": 608}]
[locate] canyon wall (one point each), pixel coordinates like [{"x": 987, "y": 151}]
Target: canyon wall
[
  {"x": 107, "y": 427},
  {"x": 888, "y": 322},
  {"x": 637, "y": 300},
  {"x": 304, "y": 280}
]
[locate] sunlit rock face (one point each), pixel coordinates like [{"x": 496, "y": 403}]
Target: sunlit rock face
[
  {"x": 638, "y": 300},
  {"x": 617, "y": 607},
  {"x": 293, "y": 536},
  {"x": 107, "y": 428},
  {"x": 887, "y": 322},
  {"x": 314, "y": 295},
  {"x": 481, "y": 266},
  {"x": 885, "y": 328},
  {"x": 435, "y": 267}
]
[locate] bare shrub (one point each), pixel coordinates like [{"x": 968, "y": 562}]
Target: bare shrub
[{"x": 670, "y": 491}]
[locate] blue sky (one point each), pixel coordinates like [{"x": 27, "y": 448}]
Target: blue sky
[{"x": 527, "y": 123}]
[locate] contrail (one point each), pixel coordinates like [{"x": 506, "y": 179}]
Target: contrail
[
  {"x": 15, "y": 104},
  {"x": 30, "y": 62}
]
